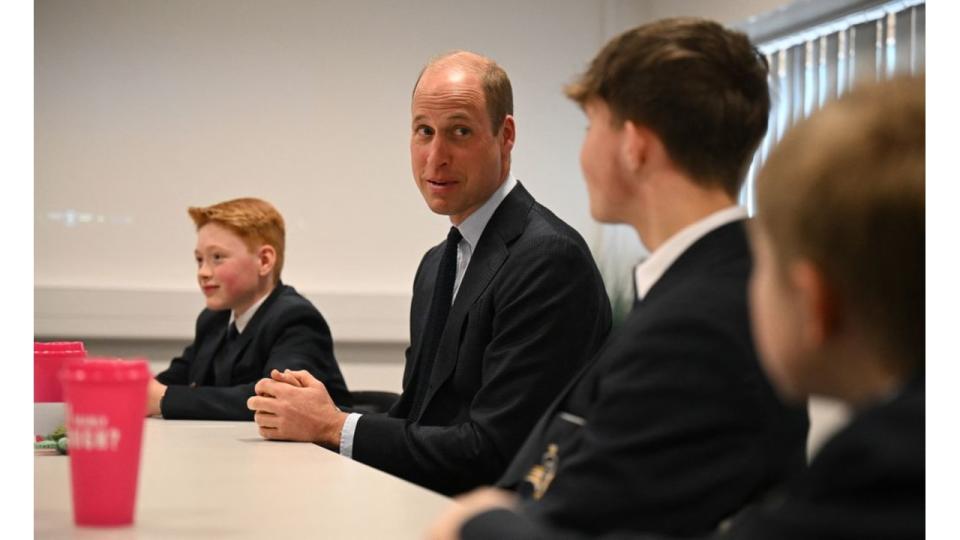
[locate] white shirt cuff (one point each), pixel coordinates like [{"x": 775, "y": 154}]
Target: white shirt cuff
[{"x": 346, "y": 434}]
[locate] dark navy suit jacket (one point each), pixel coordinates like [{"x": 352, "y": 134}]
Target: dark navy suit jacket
[
  {"x": 531, "y": 309},
  {"x": 286, "y": 332}
]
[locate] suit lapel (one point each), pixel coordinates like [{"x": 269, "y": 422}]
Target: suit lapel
[
  {"x": 721, "y": 244},
  {"x": 208, "y": 349},
  {"x": 492, "y": 250},
  {"x": 423, "y": 300},
  {"x": 419, "y": 311},
  {"x": 224, "y": 372}
]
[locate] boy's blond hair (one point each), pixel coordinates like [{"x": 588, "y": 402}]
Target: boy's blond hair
[
  {"x": 845, "y": 190},
  {"x": 255, "y": 221}
]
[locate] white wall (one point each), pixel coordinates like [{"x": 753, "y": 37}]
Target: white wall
[
  {"x": 144, "y": 108},
  {"x": 727, "y": 12}
]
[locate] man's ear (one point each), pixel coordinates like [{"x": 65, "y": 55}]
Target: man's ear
[
  {"x": 508, "y": 132},
  {"x": 634, "y": 145},
  {"x": 267, "y": 257},
  {"x": 820, "y": 307}
]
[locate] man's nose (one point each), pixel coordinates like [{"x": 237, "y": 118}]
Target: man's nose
[{"x": 438, "y": 155}]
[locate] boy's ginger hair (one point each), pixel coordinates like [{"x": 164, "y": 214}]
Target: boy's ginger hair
[
  {"x": 845, "y": 190},
  {"x": 255, "y": 221}
]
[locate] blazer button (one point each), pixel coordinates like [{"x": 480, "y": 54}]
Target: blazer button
[{"x": 193, "y": 384}]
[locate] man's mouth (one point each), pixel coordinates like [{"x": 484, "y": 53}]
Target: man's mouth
[{"x": 441, "y": 183}]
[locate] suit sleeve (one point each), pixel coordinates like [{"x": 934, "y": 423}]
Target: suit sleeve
[
  {"x": 179, "y": 370},
  {"x": 504, "y": 524},
  {"x": 549, "y": 314},
  {"x": 671, "y": 443},
  {"x": 398, "y": 410},
  {"x": 297, "y": 339}
]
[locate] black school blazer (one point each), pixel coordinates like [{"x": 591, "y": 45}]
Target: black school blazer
[
  {"x": 286, "y": 332},
  {"x": 673, "y": 427}
]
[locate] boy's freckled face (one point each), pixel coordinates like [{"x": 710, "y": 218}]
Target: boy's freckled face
[{"x": 228, "y": 273}]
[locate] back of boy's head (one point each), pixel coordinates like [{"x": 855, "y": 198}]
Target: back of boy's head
[
  {"x": 845, "y": 190},
  {"x": 700, "y": 87},
  {"x": 255, "y": 221}
]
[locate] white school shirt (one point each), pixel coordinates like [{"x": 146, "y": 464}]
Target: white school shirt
[
  {"x": 242, "y": 320},
  {"x": 652, "y": 268}
]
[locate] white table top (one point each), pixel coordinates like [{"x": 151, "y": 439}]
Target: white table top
[{"x": 202, "y": 479}]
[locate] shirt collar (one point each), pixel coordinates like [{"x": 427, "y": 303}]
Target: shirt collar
[
  {"x": 653, "y": 267},
  {"x": 242, "y": 320},
  {"x": 473, "y": 226}
]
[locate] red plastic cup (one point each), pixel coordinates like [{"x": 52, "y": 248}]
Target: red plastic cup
[
  {"x": 48, "y": 360},
  {"x": 106, "y": 406}
]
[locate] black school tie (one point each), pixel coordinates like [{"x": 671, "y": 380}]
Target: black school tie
[
  {"x": 218, "y": 375},
  {"x": 437, "y": 317}
]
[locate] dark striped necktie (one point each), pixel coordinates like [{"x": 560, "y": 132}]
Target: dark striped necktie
[{"x": 436, "y": 318}]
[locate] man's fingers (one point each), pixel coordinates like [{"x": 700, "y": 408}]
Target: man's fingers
[
  {"x": 277, "y": 375},
  {"x": 266, "y": 420},
  {"x": 304, "y": 378},
  {"x": 268, "y": 433},
  {"x": 262, "y": 386},
  {"x": 285, "y": 376},
  {"x": 264, "y": 404},
  {"x": 272, "y": 388}
]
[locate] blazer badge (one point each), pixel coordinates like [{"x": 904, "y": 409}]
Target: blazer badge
[{"x": 540, "y": 476}]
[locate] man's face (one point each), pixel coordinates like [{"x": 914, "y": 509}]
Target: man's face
[
  {"x": 599, "y": 160},
  {"x": 457, "y": 160},
  {"x": 227, "y": 271},
  {"x": 777, "y": 322}
]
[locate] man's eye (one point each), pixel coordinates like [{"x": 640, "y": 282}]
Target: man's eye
[
  {"x": 424, "y": 131},
  {"x": 462, "y": 131},
  {"x": 217, "y": 257}
]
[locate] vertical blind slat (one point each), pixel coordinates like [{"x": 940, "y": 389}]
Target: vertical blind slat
[
  {"x": 904, "y": 39},
  {"x": 830, "y": 52},
  {"x": 919, "y": 39},
  {"x": 865, "y": 52}
]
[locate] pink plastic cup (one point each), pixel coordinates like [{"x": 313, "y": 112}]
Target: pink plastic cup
[
  {"x": 48, "y": 360},
  {"x": 61, "y": 346},
  {"x": 106, "y": 405}
]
